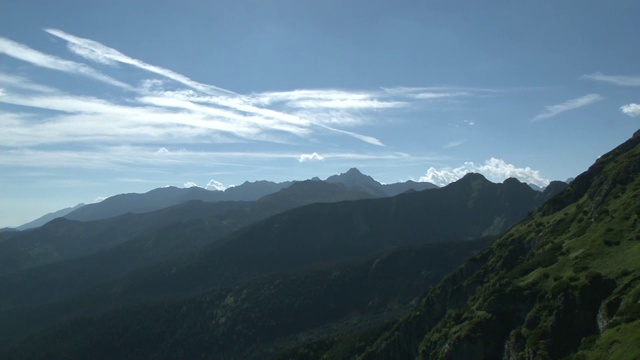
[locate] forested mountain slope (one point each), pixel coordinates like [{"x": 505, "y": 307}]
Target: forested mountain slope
[
  {"x": 564, "y": 283},
  {"x": 256, "y": 318}
]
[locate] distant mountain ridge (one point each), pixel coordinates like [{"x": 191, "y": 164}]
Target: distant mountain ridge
[
  {"x": 48, "y": 217},
  {"x": 63, "y": 239},
  {"x": 354, "y": 179},
  {"x": 164, "y": 197},
  {"x": 159, "y": 198}
]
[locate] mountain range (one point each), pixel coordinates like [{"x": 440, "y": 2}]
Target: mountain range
[
  {"x": 160, "y": 198},
  {"x": 333, "y": 231},
  {"x": 341, "y": 269}
]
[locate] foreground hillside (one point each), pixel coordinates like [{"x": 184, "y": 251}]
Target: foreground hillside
[{"x": 565, "y": 283}]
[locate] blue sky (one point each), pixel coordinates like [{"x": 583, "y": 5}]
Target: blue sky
[{"x": 100, "y": 98}]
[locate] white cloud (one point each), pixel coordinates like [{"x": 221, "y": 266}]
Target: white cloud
[
  {"x": 96, "y": 51},
  {"x": 553, "y": 110},
  {"x": 632, "y": 109},
  {"x": 212, "y": 109},
  {"x": 174, "y": 110},
  {"x": 365, "y": 138},
  {"x": 91, "y": 54},
  {"x": 433, "y": 92},
  {"x": 100, "y": 198},
  {"x": 27, "y": 54},
  {"x": 309, "y": 94},
  {"x": 496, "y": 170},
  {"x": 14, "y": 81},
  {"x": 438, "y": 95},
  {"x": 621, "y": 80},
  {"x": 215, "y": 185},
  {"x": 310, "y": 157},
  {"x": 347, "y": 104},
  {"x": 190, "y": 184},
  {"x": 452, "y": 144}
]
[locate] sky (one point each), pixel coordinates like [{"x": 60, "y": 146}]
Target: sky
[{"x": 102, "y": 98}]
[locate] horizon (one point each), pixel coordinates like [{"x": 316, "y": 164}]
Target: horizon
[
  {"x": 105, "y": 99},
  {"x": 218, "y": 187}
]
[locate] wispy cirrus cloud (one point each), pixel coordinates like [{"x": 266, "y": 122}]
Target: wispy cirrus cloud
[
  {"x": 494, "y": 169},
  {"x": 368, "y": 139},
  {"x": 19, "y": 82},
  {"x": 455, "y": 143},
  {"x": 27, "y": 54},
  {"x": 119, "y": 158},
  {"x": 620, "y": 80},
  {"x": 632, "y": 109},
  {"x": 553, "y": 110},
  {"x": 222, "y": 110},
  {"x": 436, "y": 92},
  {"x": 439, "y": 95},
  {"x": 347, "y": 104},
  {"x": 95, "y": 51},
  {"x": 170, "y": 108}
]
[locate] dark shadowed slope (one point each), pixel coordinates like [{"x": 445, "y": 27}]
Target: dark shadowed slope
[
  {"x": 259, "y": 317},
  {"x": 132, "y": 241},
  {"x": 63, "y": 239},
  {"x": 321, "y": 233}
]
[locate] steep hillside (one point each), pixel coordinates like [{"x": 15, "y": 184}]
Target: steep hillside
[
  {"x": 254, "y": 319},
  {"x": 565, "y": 283}
]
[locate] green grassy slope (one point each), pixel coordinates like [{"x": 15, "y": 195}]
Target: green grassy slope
[{"x": 565, "y": 283}]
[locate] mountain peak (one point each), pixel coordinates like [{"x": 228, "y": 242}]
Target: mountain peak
[
  {"x": 351, "y": 175},
  {"x": 473, "y": 177},
  {"x": 354, "y": 179},
  {"x": 511, "y": 180}
]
